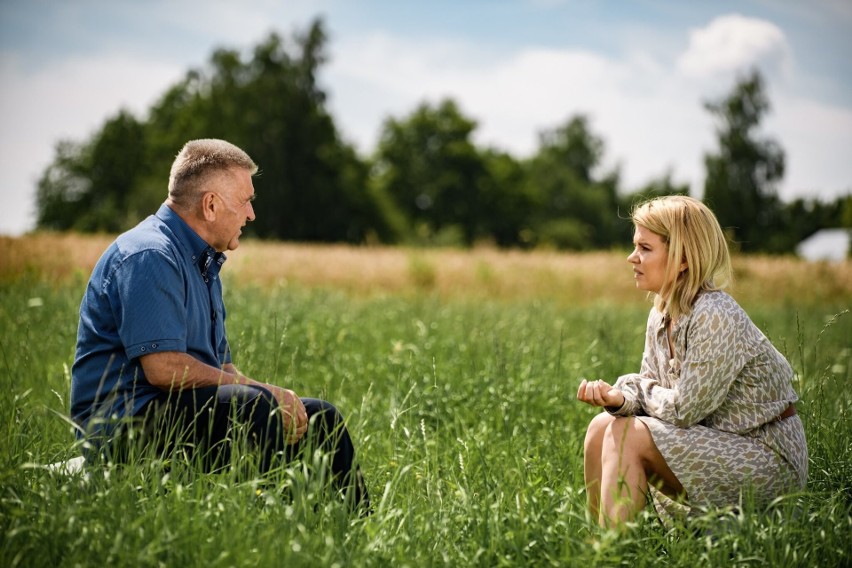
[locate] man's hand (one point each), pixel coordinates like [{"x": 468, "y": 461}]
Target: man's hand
[
  {"x": 599, "y": 393},
  {"x": 292, "y": 413},
  {"x": 172, "y": 370}
]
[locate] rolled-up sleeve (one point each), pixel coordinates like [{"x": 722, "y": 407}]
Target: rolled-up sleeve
[{"x": 629, "y": 384}]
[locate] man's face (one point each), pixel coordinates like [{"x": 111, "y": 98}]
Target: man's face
[{"x": 234, "y": 193}]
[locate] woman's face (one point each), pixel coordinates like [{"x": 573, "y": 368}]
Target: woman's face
[{"x": 649, "y": 257}]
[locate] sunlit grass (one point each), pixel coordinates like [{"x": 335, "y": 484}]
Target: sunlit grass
[
  {"x": 461, "y": 403},
  {"x": 566, "y": 279}
]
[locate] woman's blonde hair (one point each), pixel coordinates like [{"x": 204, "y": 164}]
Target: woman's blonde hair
[{"x": 692, "y": 235}]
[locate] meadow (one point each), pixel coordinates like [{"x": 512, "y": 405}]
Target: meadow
[{"x": 457, "y": 372}]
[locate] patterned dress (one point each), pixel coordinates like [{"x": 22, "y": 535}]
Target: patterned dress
[{"x": 712, "y": 409}]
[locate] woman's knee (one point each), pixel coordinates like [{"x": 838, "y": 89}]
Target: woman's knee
[
  {"x": 629, "y": 436},
  {"x": 596, "y": 430}
]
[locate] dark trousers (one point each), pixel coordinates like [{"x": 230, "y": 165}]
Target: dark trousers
[{"x": 207, "y": 423}]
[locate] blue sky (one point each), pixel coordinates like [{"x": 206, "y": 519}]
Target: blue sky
[{"x": 640, "y": 70}]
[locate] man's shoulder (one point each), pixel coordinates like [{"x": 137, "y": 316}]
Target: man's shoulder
[
  {"x": 150, "y": 235},
  {"x": 146, "y": 244}
]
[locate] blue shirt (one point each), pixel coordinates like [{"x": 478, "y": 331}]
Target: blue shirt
[{"x": 156, "y": 288}]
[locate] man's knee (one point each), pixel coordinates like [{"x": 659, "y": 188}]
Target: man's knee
[
  {"x": 249, "y": 405},
  {"x": 242, "y": 394},
  {"x": 322, "y": 411}
]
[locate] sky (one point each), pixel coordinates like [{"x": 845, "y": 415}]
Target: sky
[{"x": 641, "y": 71}]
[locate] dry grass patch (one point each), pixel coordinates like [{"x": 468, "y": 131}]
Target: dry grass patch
[
  {"x": 567, "y": 278},
  {"x": 54, "y": 257},
  {"x": 445, "y": 272}
]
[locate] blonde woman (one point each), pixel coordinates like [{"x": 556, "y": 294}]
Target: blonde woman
[{"x": 711, "y": 412}]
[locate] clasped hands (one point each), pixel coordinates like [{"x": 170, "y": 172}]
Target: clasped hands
[
  {"x": 600, "y": 393},
  {"x": 293, "y": 413}
]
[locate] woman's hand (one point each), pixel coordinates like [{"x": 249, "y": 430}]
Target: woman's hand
[{"x": 599, "y": 393}]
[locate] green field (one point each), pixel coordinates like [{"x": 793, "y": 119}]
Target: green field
[{"x": 464, "y": 414}]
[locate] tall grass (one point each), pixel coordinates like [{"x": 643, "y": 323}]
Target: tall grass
[{"x": 462, "y": 409}]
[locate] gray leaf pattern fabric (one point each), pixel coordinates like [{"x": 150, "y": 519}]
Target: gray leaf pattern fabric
[{"x": 712, "y": 408}]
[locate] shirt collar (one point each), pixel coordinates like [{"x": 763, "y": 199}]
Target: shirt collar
[
  {"x": 679, "y": 322},
  {"x": 194, "y": 247}
]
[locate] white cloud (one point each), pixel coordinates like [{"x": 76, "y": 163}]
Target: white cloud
[
  {"x": 71, "y": 96},
  {"x": 816, "y": 139},
  {"x": 651, "y": 120},
  {"x": 234, "y": 25},
  {"x": 648, "y": 110},
  {"x": 732, "y": 43},
  {"x": 650, "y": 114},
  {"x": 68, "y": 100}
]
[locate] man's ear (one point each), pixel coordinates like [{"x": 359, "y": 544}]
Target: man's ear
[{"x": 209, "y": 206}]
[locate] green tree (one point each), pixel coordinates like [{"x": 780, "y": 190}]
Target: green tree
[
  {"x": 845, "y": 206},
  {"x": 90, "y": 186},
  {"x": 312, "y": 186},
  {"x": 572, "y": 207},
  {"x": 659, "y": 187},
  {"x": 430, "y": 167},
  {"x": 741, "y": 176},
  {"x": 801, "y": 218},
  {"x": 505, "y": 203}
]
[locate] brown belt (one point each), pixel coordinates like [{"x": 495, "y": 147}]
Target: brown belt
[{"x": 788, "y": 412}]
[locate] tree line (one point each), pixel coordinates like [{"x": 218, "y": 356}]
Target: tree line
[{"x": 427, "y": 181}]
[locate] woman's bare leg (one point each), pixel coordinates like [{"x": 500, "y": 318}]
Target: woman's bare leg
[
  {"x": 629, "y": 460},
  {"x": 592, "y": 455}
]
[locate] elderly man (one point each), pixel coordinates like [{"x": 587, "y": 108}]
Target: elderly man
[{"x": 152, "y": 353}]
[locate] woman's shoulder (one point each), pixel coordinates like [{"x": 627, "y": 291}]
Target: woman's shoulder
[{"x": 717, "y": 303}]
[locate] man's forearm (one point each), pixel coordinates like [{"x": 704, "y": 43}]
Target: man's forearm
[{"x": 172, "y": 370}]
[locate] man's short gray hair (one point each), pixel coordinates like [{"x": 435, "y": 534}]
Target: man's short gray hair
[{"x": 197, "y": 160}]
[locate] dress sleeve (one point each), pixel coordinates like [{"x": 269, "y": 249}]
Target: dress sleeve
[
  {"x": 148, "y": 299},
  {"x": 712, "y": 360},
  {"x": 629, "y": 384}
]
